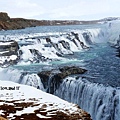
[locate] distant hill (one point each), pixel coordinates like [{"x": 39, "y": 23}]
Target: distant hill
[
  {"x": 7, "y": 23},
  {"x": 110, "y": 19}
]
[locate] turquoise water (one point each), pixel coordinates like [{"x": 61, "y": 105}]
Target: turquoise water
[{"x": 101, "y": 62}]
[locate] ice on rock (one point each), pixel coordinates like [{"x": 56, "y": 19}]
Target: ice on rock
[{"x": 60, "y": 44}]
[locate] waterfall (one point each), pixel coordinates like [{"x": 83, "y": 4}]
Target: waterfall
[
  {"x": 102, "y": 102},
  {"x": 21, "y": 77},
  {"x": 51, "y": 84},
  {"x": 44, "y": 47}
]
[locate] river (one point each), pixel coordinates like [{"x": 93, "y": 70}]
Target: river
[{"x": 96, "y": 91}]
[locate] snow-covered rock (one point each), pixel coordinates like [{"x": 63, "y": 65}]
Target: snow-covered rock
[
  {"x": 25, "y": 102},
  {"x": 8, "y": 53}
]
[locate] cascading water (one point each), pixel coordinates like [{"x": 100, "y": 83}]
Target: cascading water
[
  {"x": 55, "y": 48},
  {"x": 100, "y": 101},
  {"x": 21, "y": 77}
]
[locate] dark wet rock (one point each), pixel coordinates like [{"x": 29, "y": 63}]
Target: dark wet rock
[
  {"x": 8, "y": 48},
  {"x": 55, "y": 45},
  {"x": 72, "y": 70},
  {"x": 37, "y": 56},
  {"x": 76, "y": 35},
  {"x": 48, "y": 40},
  {"x": 53, "y": 78},
  {"x": 35, "y": 52},
  {"x": 20, "y": 52},
  {"x": 74, "y": 42},
  {"x": 65, "y": 44},
  {"x": 85, "y": 35},
  {"x": 118, "y": 52},
  {"x": 59, "y": 54},
  {"x": 44, "y": 76}
]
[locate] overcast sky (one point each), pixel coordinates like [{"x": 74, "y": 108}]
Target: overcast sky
[{"x": 61, "y": 9}]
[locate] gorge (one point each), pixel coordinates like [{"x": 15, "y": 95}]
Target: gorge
[{"x": 78, "y": 63}]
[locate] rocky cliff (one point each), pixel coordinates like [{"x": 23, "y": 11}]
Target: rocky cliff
[
  {"x": 53, "y": 78},
  {"x": 4, "y": 17},
  {"x": 7, "y": 23}
]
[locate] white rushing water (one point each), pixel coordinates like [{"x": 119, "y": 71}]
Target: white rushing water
[
  {"x": 45, "y": 47},
  {"x": 21, "y": 77},
  {"x": 103, "y": 103}
]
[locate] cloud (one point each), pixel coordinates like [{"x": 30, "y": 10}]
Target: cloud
[
  {"x": 63, "y": 9},
  {"x": 22, "y": 8},
  {"x": 87, "y": 9}
]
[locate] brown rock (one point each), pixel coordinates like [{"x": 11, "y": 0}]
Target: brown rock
[
  {"x": 2, "y": 118},
  {"x": 7, "y": 23},
  {"x": 4, "y": 16},
  {"x": 52, "y": 79},
  {"x": 41, "y": 109}
]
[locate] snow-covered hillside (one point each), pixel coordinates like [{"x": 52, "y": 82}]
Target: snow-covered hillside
[{"x": 25, "y": 102}]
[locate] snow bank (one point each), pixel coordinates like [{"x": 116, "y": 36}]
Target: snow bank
[{"x": 20, "y": 101}]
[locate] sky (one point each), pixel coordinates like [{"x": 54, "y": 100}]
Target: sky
[{"x": 61, "y": 9}]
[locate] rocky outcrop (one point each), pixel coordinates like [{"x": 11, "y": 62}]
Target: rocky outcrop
[
  {"x": 8, "y": 53},
  {"x": 4, "y": 17},
  {"x": 7, "y": 23},
  {"x": 42, "y": 111},
  {"x": 62, "y": 43},
  {"x": 17, "y": 23},
  {"x": 20, "y": 102},
  {"x": 8, "y": 48},
  {"x": 37, "y": 56},
  {"x": 53, "y": 78}
]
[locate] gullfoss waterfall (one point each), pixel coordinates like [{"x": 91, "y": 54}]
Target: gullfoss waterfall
[{"x": 96, "y": 91}]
